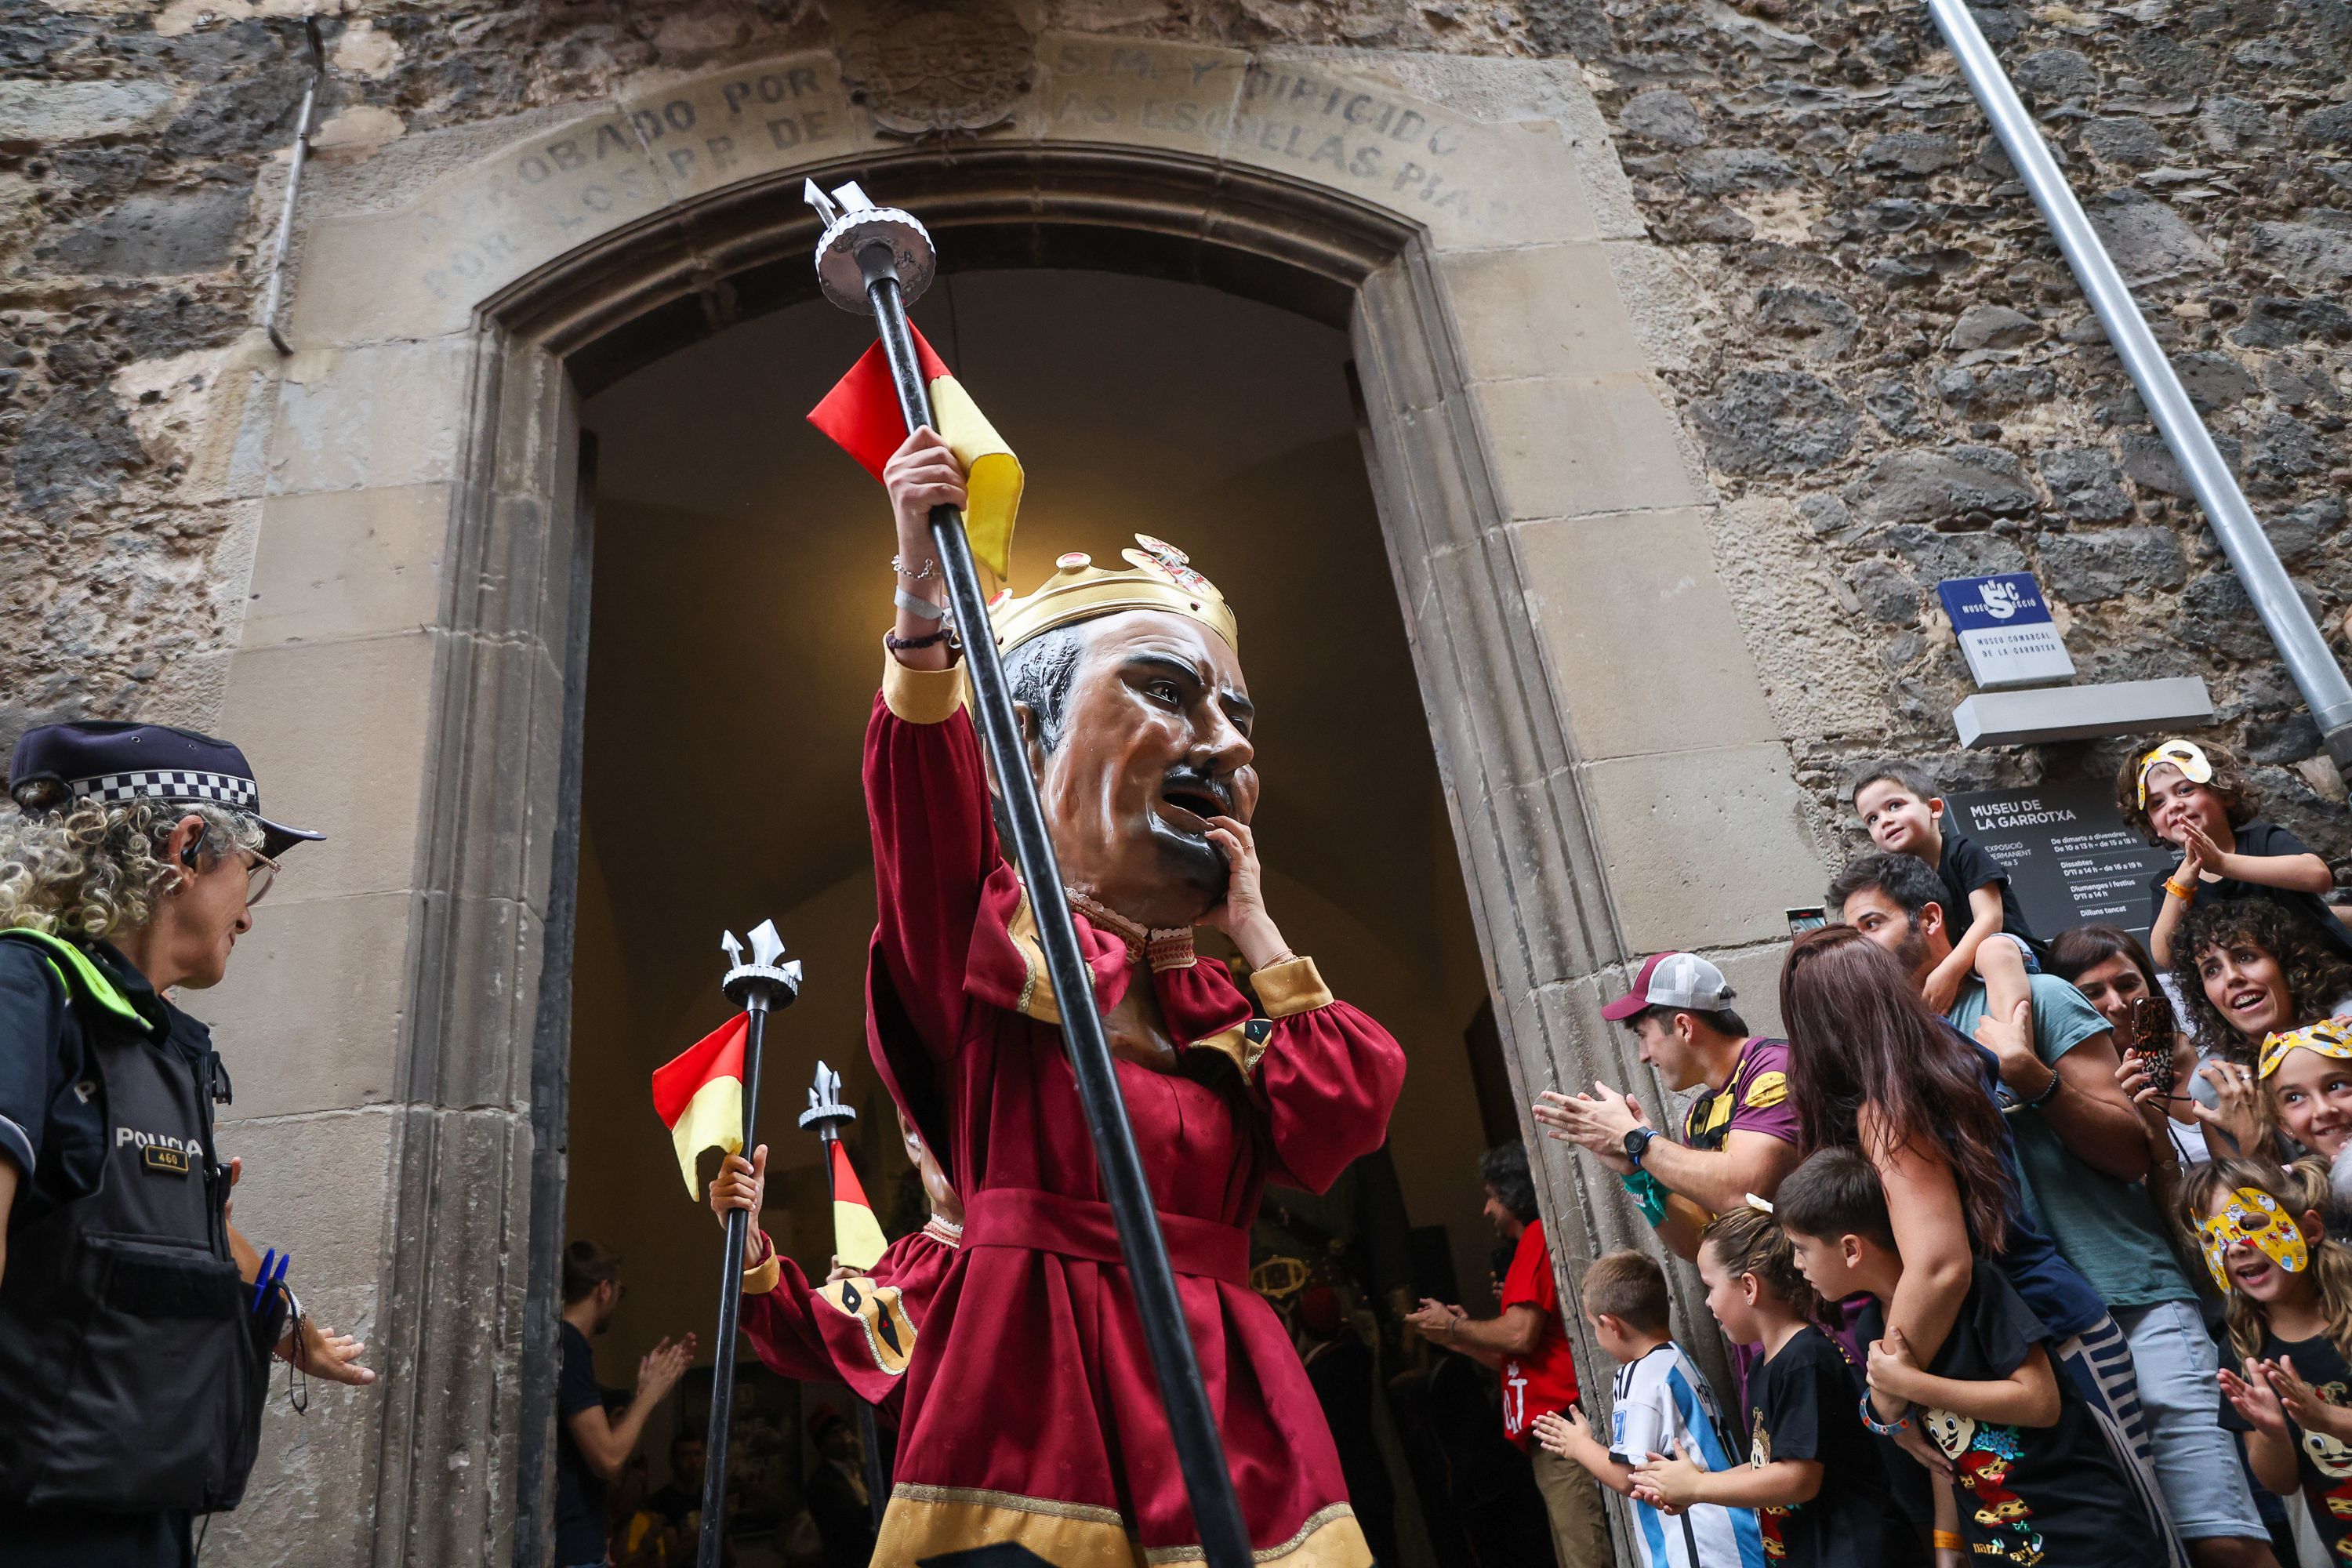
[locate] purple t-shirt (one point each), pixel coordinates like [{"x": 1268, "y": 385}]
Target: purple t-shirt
[{"x": 1755, "y": 1098}]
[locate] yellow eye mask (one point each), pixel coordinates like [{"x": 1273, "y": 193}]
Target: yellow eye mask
[
  {"x": 2256, "y": 1218},
  {"x": 2185, "y": 755},
  {"x": 2329, "y": 1038}
]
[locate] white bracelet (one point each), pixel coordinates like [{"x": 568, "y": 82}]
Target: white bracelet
[{"x": 922, "y": 609}]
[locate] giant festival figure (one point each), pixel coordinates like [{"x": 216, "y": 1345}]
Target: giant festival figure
[{"x": 1031, "y": 1413}]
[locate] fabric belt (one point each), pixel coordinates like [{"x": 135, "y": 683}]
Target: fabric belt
[{"x": 1038, "y": 1221}]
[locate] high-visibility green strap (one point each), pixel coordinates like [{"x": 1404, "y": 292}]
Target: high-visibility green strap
[{"x": 79, "y": 976}]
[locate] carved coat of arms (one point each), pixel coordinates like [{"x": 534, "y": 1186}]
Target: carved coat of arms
[{"x": 922, "y": 68}]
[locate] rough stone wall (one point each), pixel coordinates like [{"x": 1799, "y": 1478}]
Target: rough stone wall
[
  {"x": 1895, "y": 378},
  {"x": 143, "y": 152}
]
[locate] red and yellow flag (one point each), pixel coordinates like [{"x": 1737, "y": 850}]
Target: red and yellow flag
[
  {"x": 861, "y": 413},
  {"x": 699, "y": 1095},
  {"x": 857, "y": 1238}
]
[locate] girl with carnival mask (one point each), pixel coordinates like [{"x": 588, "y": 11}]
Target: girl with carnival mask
[
  {"x": 2289, "y": 1288},
  {"x": 2200, "y": 800}
]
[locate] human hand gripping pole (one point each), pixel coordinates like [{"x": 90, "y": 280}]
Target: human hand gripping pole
[
  {"x": 877, "y": 259},
  {"x": 759, "y": 986}
]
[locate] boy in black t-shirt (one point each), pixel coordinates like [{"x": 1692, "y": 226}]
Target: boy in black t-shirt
[
  {"x": 2034, "y": 1480},
  {"x": 1813, "y": 1474},
  {"x": 1904, "y": 814}
]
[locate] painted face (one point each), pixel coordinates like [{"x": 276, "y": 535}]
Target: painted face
[
  {"x": 2177, "y": 802},
  {"x": 1726, "y": 1298},
  {"x": 2246, "y": 1235},
  {"x": 2247, "y": 987},
  {"x": 2328, "y": 1456},
  {"x": 1898, "y": 821},
  {"x": 1157, "y": 739}
]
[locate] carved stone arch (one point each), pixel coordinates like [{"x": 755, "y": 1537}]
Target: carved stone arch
[{"x": 447, "y": 345}]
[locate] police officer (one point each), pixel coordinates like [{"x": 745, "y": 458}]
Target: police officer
[{"x": 134, "y": 1333}]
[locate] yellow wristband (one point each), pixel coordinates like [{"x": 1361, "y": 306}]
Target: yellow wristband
[
  {"x": 2177, "y": 891},
  {"x": 1946, "y": 1541}
]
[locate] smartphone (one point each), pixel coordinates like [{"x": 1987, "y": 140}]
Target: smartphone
[
  {"x": 1802, "y": 921},
  {"x": 2153, "y": 1028}
]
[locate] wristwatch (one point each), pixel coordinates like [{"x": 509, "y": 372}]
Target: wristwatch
[{"x": 1637, "y": 1144}]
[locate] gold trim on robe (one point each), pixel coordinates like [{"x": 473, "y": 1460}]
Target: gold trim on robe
[{"x": 927, "y": 1521}]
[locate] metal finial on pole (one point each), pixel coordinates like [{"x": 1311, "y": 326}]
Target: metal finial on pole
[
  {"x": 765, "y": 983},
  {"x": 876, "y": 259},
  {"x": 826, "y": 1116}
]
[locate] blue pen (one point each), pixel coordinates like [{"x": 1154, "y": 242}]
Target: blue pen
[
  {"x": 278, "y": 1278},
  {"x": 261, "y": 1279}
]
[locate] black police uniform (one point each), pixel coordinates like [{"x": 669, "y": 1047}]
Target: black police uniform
[{"x": 133, "y": 1360}]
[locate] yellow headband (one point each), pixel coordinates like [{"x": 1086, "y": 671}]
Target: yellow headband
[
  {"x": 2253, "y": 1216},
  {"x": 2185, "y": 755},
  {"x": 1158, "y": 578},
  {"x": 2329, "y": 1038}
]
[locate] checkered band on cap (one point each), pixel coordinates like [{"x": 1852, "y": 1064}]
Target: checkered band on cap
[{"x": 172, "y": 784}]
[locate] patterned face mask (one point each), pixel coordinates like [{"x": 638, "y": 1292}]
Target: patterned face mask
[
  {"x": 2254, "y": 1217},
  {"x": 2185, "y": 755}
]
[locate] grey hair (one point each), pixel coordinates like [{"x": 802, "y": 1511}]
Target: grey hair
[
  {"x": 91, "y": 867},
  {"x": 1040, "y": 673}
]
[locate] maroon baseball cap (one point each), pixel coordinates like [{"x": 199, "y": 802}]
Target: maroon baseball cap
[{"x": 1681, "y": 980}]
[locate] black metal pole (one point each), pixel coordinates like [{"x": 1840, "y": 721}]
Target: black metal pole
[
  {"x": 878, "y": 1481},
  {"x": 1200, "y": 1453},
  {"x": 731, "y": 1309}
]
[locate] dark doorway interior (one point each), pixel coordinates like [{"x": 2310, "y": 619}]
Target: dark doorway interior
[{"x": 740, "y": 589}]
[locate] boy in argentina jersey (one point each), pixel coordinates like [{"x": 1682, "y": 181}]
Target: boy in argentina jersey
[{"x": 1660, "y": 1398}]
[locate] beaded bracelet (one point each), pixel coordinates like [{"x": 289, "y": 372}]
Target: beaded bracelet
[
  {"x": 898, "y": 643},
  {"x": 1883, "y": 1428}
]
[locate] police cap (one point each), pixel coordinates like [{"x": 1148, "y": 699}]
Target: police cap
[{"x": 120, "y": 762}]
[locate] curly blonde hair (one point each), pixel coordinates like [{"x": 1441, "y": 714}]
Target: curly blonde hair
[{"x": 91, "y": 867}]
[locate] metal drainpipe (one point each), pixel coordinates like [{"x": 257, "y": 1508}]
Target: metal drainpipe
[
  {"x": 2316, "y": 674},
  {"x": 277, "y": 291}
]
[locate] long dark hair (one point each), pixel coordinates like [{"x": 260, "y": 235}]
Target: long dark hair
[
  {"x": 1860, "y": 1035},
  {"x": 2316, "y": 977}
]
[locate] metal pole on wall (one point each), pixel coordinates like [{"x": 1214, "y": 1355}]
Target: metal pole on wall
[
  {"x": 2316, "y": 674},
  {"x": 877, "y": 259}
]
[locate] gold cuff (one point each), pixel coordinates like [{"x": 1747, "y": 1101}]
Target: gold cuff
[
  {"x": 761, "y": 1279},
  {"x": 921, "y": 696},
  {"x": 1291, "y": 986}
]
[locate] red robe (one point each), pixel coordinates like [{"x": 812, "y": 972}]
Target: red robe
[
  {"x": 1033, "y": 1414},
  {"x": 859, "y": 1330}
]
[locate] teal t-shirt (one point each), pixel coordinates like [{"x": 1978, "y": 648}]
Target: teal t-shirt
[{"x": 2107, "y": 1229}]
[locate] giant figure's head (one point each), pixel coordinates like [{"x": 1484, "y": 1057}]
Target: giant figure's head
[{"x": 1129, "y": 693}]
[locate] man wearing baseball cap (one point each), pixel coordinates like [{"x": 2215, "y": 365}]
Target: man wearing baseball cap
[
  {"x": 1739, "y": 1136},
  {"x": 135, "y": 1325}
]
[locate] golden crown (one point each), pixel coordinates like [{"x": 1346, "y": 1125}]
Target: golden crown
[{"x": 1159, "y": 577}]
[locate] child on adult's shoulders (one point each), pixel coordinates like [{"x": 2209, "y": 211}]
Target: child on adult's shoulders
[
  {"x": 2032, "y": 1479},
  {"x": 2200, "y": 800},
  {"x": 1904, "y": 814},
  {"x": 1812, "y": 1475},
  {"x": 1662, "y": 1405}
]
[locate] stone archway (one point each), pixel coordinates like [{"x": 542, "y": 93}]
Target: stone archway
[{"x": 1533, "y": 495}]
